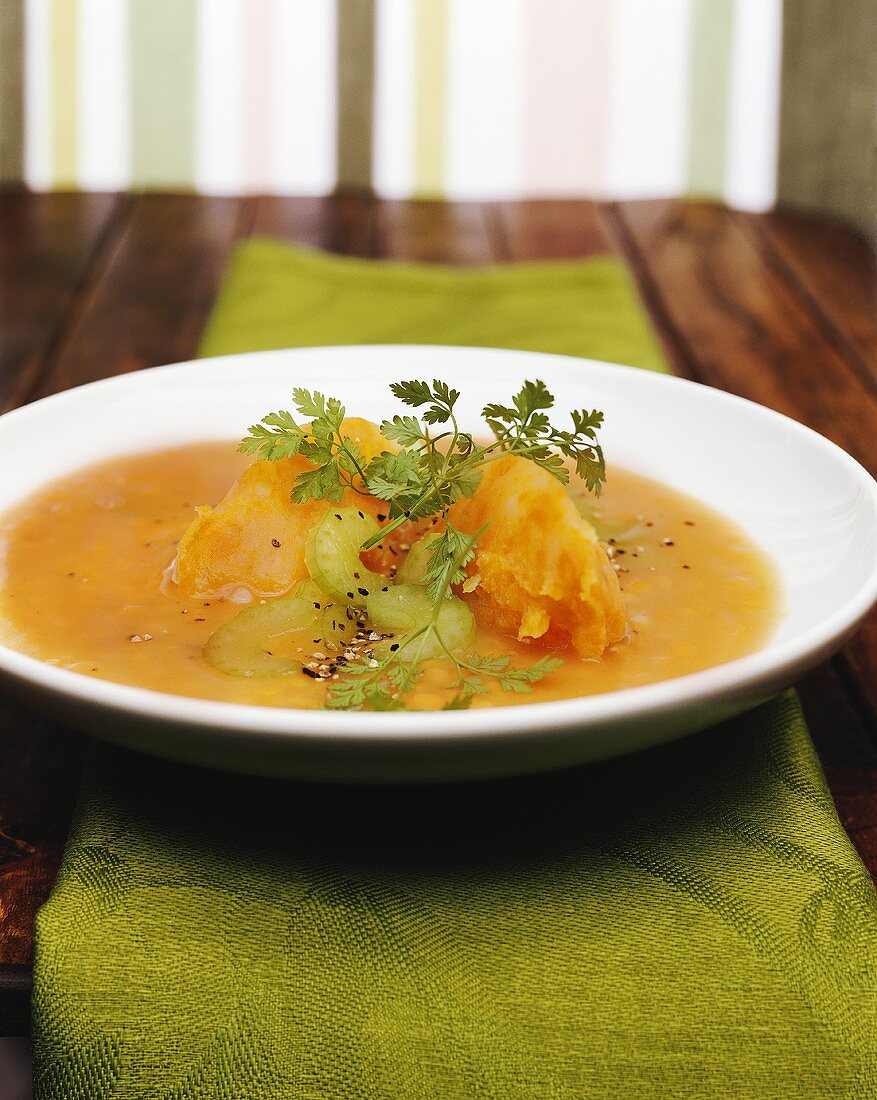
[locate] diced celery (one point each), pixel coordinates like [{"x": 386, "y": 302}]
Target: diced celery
[
  {"x": 414, "y": 567},
  {"x": 241, "y": 647},
  {"x": 405, "y": 608},
  {"x": 332, "y": 555}
]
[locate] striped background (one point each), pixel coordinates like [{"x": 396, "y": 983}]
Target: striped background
[{"x": 452, "y": 98}]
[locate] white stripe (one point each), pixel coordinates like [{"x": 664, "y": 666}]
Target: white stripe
[
  {"x": 103, "y": 156},
  {"x": 648, "y": 98},
  {"x": 485, "y": 99},
  {"x": 753, "y": 124},
  {"x": 394, "y": 99},
  {"x": 219, "y": 97},
  {"x": 38, "y": 166},
  {"x": 305, "y": 115}
]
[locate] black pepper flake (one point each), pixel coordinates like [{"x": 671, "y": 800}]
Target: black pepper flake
[
  {"x": 316, "y": 605},
  {"x": 275, "y": 543},
  {"x": 337, "y": 515},
  {"x": 686, "y": 566},
  {"x": 207, "y": 603},
  {"x": 394, "y": 551},
  {"x": 350, "y": 595},
  {"x": 381, "y": 518},
  {"x": 362, "y": 591},
  {"x": 361, "y": 516},
  {"x": 356, "y": 575},
  {"x": 394, "y": 647},
  {"x": 385, "y": 590},
  {"x": 667, "y": 542},
  {"x": 620, "y": 550},
  {"x": 689, "y": 523},
  {"x": 200, "y": 620},
  {"x": 310, "y": 672}
]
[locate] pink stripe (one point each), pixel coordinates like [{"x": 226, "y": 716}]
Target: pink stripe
[
  {"x": 259, "y": 81},
  {"x": 566, "y": 125}
]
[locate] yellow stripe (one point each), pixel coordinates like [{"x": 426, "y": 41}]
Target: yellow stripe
[
  {"x": 63, "y": 16},
  {"x": 431, "y": 67}
]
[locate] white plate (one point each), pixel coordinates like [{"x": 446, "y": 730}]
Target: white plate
[{"x": 806, "y": 502}]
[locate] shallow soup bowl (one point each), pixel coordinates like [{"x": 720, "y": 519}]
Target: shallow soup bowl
[{"x": 805, "y": 502}]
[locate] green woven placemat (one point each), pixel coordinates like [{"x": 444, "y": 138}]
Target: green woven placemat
[{"x": 690, "y": 922}]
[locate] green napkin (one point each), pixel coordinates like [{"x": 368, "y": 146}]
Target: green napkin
[{"x": 690, "y": 922}]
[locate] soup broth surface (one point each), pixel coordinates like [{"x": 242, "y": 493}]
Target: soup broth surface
[{"x": 85, "y": 560}]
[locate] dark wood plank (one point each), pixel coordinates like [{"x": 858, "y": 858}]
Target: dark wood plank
[
  {"x": 551, "y": 229},
  {"x": 431, "y": 232},
  {"x": 51, "y": 247},
  {"x": 153, "y": 297},
  {"x": 342, "y": 223},
  {"x": 835, "y": 269},
  {"x": 737, "y": 324}
]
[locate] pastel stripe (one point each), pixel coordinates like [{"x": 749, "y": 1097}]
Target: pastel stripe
[
  {"x": 305, "y": 114},
  {"x": 162, "y": 44},
  {"x": 259, "y": 80},
  {"x": 103, "y": 155},
  {"x": 393, "y": 173},
  {"x": 356, "y": 82},
  {"x": 219, "y": 87},
  {"x": 754, "y": 104},
  {"x": 566, "y": 111},
  {"x": 485, "y": 99},
  {"x": 431, "y": 23},
  {"x": 648, "y": 99},
  {"x": 37, "y": 96},
  {"x": 11, "y": 90},
  {"x": 63, "y": 59},
  {"x": 710, "y": 69}
]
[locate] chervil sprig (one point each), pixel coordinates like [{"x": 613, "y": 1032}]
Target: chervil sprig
[{"x": 434, "y": 464}]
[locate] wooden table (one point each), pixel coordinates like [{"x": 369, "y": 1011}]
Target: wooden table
[{"x": 778, "y": 308}]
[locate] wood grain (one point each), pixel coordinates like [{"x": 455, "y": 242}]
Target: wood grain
[
  {"x": 52, "y": 248},
  {"x": 342, "y": 223},
  {"x": 152, "y": 298},
  {"x": 835, "y": 271},
  {"x": 740, "y": 325},
  {"x": 430, "y": 232}
]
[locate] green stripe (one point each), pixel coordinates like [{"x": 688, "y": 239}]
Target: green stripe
[
  {"x": 11, "y": 89},
  {"x": 355, "y": 91},
  {"x": 62, "y": 54},
  {"x": 163, "y": 51},
  {"x": 709, "y": 94},
  {"x": 431, "y": 66}
]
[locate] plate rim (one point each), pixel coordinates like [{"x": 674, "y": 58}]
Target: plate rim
[{"x": 712, "y": 685}]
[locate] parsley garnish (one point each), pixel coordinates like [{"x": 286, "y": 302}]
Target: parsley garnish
[{"x": 429, "y": 472}]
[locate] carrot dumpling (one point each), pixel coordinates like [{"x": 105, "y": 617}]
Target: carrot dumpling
[{"x": 543, "y": 573}]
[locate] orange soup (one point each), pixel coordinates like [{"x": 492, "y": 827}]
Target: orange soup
[{"x": 86, "y": 588}]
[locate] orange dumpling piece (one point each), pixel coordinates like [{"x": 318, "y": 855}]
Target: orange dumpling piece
[
  {"x": 255, "y": 537},
  {"x": 543, "y": 573}
]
